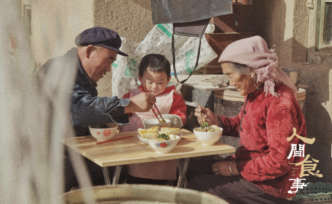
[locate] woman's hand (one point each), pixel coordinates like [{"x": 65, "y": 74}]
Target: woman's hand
[
  {"x": 211, "y": 118},
  {"x": 222, "y": 168}
]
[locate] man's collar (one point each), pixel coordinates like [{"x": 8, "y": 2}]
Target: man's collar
[{"x": 82, "y": 70}]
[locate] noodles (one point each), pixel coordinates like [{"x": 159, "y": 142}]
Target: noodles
[{"x": 212, "y": 128}]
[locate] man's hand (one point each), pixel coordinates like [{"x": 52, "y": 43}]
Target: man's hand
[{"x": 140, "y": 103}]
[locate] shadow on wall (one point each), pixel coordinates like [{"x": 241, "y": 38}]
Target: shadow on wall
[
  {"x": 270, "y": 21},
  {"x": 271, "y": 25},
  {"x": 318, "y": 118}
]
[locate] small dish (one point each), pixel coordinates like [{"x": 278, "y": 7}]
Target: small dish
[{"x": 144, "y": 140}]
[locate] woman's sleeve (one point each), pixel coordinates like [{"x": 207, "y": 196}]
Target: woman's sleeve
[
  {"x": 179, "y": 108},
  {"x": 231, "y": 125},
  {"x": 281, "y": 118}
]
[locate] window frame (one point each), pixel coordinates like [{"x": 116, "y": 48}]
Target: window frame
[
  {"x": 321, "y": 16},
  {"x": 316, "y": 54}
]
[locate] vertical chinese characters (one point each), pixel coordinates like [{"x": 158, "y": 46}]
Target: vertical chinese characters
[{"x": 307, "y": 166}]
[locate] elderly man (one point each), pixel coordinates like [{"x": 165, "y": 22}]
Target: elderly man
[{"x": 97, "y": 49}]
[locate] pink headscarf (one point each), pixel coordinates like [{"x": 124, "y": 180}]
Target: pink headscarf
[{"x": 254, "y": 53}]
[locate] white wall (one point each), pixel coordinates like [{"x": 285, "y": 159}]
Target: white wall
[{"x": 55, "y": 25}]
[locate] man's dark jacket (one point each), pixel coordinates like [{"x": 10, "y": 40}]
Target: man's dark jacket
[{"x": 85, "y": 106}]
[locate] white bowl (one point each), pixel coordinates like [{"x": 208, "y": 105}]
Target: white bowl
[
  {"x": 149, "y": 123},
  {"x": 164, "y": 146},
  {"x": 208, "y": 138},
  {"x": 103, "y": 134}
]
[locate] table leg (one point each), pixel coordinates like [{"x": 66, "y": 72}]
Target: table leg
[
  {"x": 183, "y": 166},
  {"x": 106, "y": 176},
  {"x": 116, "y": 175},
  {"x": 180, "y": 167}
]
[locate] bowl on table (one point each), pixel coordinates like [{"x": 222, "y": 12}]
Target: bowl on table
[
  {"x": 164, "y": 146},
  {"x": 103, "y": 132},
  {"x": 207, "y": 138},
  {"x": 149, "y": 123}
]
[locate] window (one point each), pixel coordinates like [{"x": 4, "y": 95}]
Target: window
[
  {"x": 325, "y": 25},
  {"x": 320, "y": 33}
]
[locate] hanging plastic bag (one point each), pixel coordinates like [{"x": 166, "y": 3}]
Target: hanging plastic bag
[
  {"x": 124, "y": 70},
  {"x": 158, "y": 41}
]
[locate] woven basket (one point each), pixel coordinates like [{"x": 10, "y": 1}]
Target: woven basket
[{"x": 315, "y": 193}]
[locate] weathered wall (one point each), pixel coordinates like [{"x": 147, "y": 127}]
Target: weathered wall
[
  {"x": 130, "y": 18},
  {"x": 285, "y": 26},
  {"x": 55, "y": 25}
]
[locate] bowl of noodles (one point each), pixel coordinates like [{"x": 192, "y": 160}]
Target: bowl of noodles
[
  {"x": 144, "y": 135},
  {"x": 208, "y": 135}
]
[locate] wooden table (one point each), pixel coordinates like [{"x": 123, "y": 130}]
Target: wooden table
[{"x": 131, "y": 151}]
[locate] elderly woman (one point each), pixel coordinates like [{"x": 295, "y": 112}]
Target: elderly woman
[{"x": 261, "y": 171}]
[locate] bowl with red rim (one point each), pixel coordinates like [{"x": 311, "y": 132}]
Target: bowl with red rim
[
  {"x": 164, "y": 146},
  {"x": 103, "y": 132}
]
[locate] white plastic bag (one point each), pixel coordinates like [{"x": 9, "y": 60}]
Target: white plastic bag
[
  {"x": 158, "y": 41},
  {"x": 124, "y": 70}
]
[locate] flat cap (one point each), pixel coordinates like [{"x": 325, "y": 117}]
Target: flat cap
[{"x": 99, "y": 36}]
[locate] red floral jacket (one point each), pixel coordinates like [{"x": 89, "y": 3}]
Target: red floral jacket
[{"x": 267, "y": 121}]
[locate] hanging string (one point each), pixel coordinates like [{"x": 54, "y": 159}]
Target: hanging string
[{"x": 236, "y": 21}]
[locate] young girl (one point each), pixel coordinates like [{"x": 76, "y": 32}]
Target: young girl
[{"x": 154, "y": 75}]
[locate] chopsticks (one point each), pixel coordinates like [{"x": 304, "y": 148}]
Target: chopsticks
[
  {"x": 156, "y": 109},
  {"x": 160, "y": 113},
  {"x": 120, "y": 138},
  {"x": 202, "y": 114}
]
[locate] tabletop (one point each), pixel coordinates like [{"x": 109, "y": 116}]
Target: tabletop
[{"x": 132, "y": 150}]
